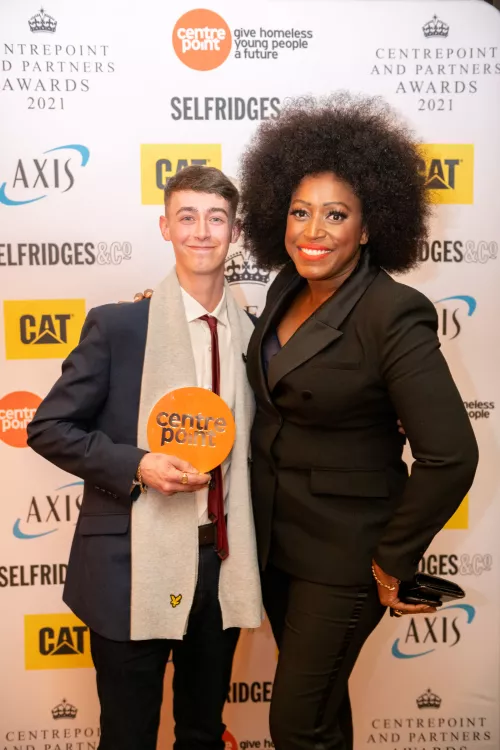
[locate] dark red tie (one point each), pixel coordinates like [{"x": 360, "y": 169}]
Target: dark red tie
[{"x": 215, "y": 489}]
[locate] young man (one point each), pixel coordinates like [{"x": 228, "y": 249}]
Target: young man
[{"x": 144, "y": 535}]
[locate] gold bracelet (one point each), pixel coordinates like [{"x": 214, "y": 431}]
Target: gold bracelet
[{"x": 384, "y": 585}]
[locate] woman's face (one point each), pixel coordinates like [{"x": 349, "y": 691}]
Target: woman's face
[{"x": 324, "y": 228}]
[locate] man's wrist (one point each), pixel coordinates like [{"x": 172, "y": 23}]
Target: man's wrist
[{"x": 138, "y": 480}]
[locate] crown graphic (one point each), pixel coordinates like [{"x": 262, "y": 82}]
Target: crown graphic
[
  {"x": 241, "y": 268},
  {"x": 64, "y": 710},
  {"x": 436, "y": 27},
  {"x": 42, "y": 22},
  {"x": 429, "y": 700}
]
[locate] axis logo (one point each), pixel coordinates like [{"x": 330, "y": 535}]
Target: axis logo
[
  {"x": 160, "y": 162},
  {"x": 17, "y": 409},
  {"x": 49, "y": 175},
  {"x": 59, "y": 641},
  {"x": 42, "y": 329},
  {"x": 427, "y": 634},
  {"x": 448, "y": 172},
  {"x": 47, "y": 514},
  {"x": 451, "y": 312}
]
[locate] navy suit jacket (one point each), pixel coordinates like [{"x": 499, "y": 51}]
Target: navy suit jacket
[{"x": 87, "y": 425}]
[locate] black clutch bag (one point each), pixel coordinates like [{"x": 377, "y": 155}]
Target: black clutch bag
[{"x": 431, "y": 590}]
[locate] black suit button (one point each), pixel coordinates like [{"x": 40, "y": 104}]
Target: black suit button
[{"x": 307, "y": 395}]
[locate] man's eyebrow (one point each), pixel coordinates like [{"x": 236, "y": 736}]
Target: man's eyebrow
[
  {"x": 186, "y": 208},
  {"x": 193, "y": 209},
  {"x": 218, "y": 209}
]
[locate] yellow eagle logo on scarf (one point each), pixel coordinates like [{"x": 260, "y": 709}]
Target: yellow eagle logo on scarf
[{"x": 175, "y": 600}]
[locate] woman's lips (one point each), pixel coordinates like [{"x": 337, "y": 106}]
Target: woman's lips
[{"x": 313, "y": 252}]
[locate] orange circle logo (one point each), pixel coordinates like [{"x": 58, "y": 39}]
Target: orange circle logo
[
  {"x": 17, "y": 409},
  {"x": 193, "y": 424},
  {"x": 202, "y": 39},
  {"x": 229, "y": 741}
]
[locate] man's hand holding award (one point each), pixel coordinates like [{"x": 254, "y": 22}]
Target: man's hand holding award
[{"x": 195, "y": 430}]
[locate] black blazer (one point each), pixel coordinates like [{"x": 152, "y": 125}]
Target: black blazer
[
  {"x": 330, "y": 489},
  {"x": 87, "y": 425}
]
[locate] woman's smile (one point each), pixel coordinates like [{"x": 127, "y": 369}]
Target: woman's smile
[{"x": 313, "y": 252}]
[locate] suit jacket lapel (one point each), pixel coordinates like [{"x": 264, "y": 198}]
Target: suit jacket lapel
[
  {"x": 241, "y": 331},
  {"x": 291, "y": 283},
  {"x": 322, "y": 328}
]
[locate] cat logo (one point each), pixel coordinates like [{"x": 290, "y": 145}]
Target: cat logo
[
  {"x": 42, "y": 329},
  {"x": 56, "y": 642},
  {"x": 448, "y": 172},
  {"x": 160, "y": 162}
]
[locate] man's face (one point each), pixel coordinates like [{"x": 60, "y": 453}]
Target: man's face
[{"x": 200, "y": 227}]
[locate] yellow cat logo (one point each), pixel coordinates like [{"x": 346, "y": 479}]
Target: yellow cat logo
[{"x": 175, "y": 600}]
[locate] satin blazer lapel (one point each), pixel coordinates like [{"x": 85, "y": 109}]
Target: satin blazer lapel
[
  {"x": 271, "y": 315},
  {"x": 322, "y": 328}
]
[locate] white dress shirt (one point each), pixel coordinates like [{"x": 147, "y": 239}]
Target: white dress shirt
[{"x": 202, "y": 353}]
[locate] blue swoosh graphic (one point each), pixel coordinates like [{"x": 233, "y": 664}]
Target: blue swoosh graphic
[
  {"x": 82, "y": 150},
  {"x": 400, "y": 655},
  {"x": 467, "y": 608},
  {"x": 469, "y": 301},
  {"x": 21, "y": 535},
  {"x": 8, "y": 202},
  {"x": 72, "y": 484}
]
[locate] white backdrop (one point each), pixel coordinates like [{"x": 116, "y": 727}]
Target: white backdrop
[{"x": 100, "y": 103}]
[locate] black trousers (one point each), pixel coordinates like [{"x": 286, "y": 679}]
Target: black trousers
[
  {"x": 320, "y": 631},
  {"x": 130, "y": 676}
]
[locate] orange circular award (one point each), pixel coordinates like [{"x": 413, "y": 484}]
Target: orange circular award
[{"x": 193, "y": 424}]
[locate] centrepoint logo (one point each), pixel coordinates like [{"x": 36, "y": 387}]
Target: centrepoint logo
[
  {"x": 16, "y": 412},
  {"x": 202, "y": 39},
  {"x": 229, "y": 741}
]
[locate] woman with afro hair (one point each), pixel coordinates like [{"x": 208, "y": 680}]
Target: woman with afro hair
[{"x": 332, "y": 198}]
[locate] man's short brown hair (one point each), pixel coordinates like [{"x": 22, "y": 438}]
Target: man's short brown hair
[{"x": 204, "y": 180}]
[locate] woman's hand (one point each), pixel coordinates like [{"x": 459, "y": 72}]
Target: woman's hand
[
  {"x": 146, "y": 294},
  {"x": 388, "y": 588}
]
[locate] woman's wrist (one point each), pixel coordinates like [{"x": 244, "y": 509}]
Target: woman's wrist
[{"x": 383, "y": 579}]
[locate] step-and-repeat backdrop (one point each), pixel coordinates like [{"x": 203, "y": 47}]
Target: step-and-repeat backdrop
[{"x": 101, "y": 103}]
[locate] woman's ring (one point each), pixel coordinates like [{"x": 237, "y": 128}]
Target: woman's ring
[
  {"x": 184, "y": 478},
  {"x": 398, "y": 612}
]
